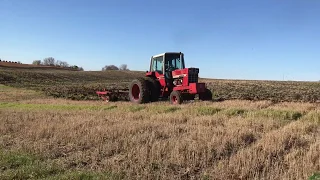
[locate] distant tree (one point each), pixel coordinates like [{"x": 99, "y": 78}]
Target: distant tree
[
  {"x": 36, "y": 62},
  {"x": 74, "y": 67},
  {"x": 123, "y": 67},
  {"x": 62, "y": 63},
  {"x": 110, "y": 67},
  {"x": 58, "y": 63},
  {"x": 49, "y": 61}
]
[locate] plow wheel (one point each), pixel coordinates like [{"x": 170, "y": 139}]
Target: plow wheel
[
  {"x": 176, "y": 97},
  {"x": 154, "y": 88},
  {"x": 206, "y": 96},
  {"x": 138, "y": 91}
]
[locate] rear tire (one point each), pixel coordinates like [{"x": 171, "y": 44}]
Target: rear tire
[
  {"x": 154, "y": 87},
  {"x": 139, "y": 91},
  {"x": 176, "y": 97},
  {"x": 206, "y": 96}
]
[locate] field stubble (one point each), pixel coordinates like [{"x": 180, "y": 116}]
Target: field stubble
[
  {"x": 222, "y": 140},
  {"x": 237, "y": 139}
]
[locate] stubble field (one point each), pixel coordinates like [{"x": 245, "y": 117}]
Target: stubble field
[{"x": 42, "y": 137}]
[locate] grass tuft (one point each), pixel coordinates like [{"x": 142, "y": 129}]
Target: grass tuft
[
  {"x": 235, "y": 112},
  {"x": 136, "y": 108},
  {"x": 207, "y": 111},
  {"x": 74, "y": 107},
  {"x": 171, "y": 109},
  {"x": 315, "y": 176},
  {"x": 164, "y": 109},
  {"x": 17, "y": 165},
  {"x": 277, "y": 114},
  {"x": 313, "y": 116}
]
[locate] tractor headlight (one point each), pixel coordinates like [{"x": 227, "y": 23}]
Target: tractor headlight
[{"x": 175, "y": 83}]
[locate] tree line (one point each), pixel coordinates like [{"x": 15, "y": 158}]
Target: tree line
[
  {"x": 122, "y": 67},
  {"x": 50, "y": 61},
  {"x": 10, "y": 61}
]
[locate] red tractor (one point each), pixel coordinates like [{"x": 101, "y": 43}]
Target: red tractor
[{"x": 167, "y": 78}]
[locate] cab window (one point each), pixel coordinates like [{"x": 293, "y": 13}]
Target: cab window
[
  {"x": 173, "y": 62},
  {"x": 157, "y": 64}
]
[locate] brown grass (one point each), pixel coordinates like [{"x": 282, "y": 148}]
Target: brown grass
[{"x": 225, "y": 140}]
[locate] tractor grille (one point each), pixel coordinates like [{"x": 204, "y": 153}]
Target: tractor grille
[{"x": 193, "y": 75}]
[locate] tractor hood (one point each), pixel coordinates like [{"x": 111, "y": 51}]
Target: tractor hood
[{"x": 185, "y": 71}]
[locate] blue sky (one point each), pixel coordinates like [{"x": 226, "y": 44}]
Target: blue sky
[{"x": 228, "y": 39}]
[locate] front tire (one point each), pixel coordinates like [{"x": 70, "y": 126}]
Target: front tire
[
  {"x": 138, "y": 91},
  {"x": 176, "y": 97}
]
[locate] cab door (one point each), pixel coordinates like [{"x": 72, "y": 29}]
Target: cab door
[{"x": 157, "y": 64}]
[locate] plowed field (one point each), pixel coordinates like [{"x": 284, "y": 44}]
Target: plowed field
[{"x": 82, "y": 85}]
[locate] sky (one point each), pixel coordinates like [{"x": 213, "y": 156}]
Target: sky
[{"x": 225, "y": 39}]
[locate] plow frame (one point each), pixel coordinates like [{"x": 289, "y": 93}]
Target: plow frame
[{"x": 113, "y": 94}]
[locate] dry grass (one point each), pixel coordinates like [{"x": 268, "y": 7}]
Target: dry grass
[{"x": 225, "y": 140}]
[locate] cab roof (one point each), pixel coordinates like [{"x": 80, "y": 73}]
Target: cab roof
[{"x": 158, "y": 55}]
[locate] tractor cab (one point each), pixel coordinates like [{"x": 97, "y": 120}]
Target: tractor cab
[
  {"x": 167, "y": 62},
  {"x": 166, "y": 67}
]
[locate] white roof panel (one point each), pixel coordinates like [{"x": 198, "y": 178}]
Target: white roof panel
[{"x": 166, "y": 53}]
